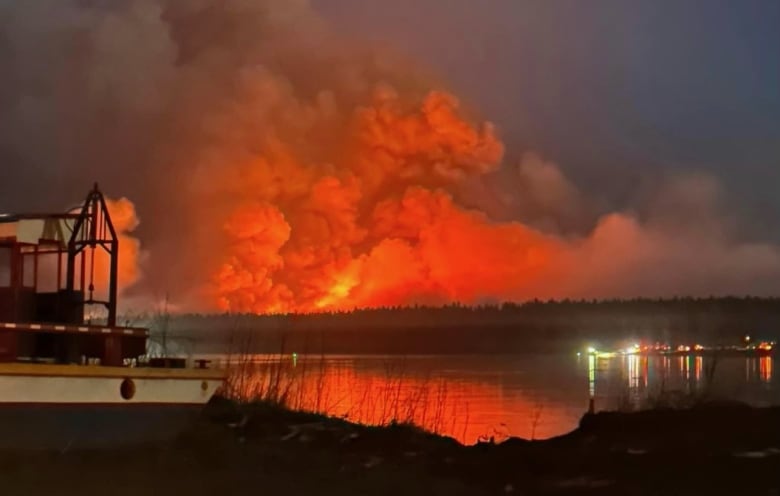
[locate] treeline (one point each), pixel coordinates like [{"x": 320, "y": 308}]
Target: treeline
[{"x": 509, "y": 327}]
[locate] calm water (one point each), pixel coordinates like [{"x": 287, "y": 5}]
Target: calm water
[{"x": 468, "y": 397}]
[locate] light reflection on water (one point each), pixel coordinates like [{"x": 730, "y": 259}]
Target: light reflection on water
[
  {"x": 637, "y": 382},
  {"x": 473, "y": 396}
]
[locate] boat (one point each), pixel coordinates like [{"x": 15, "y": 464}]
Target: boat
[{"x": 70, "y": 377}]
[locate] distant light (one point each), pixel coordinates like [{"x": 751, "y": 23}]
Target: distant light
[
  {"x": 632, "y": 350},
  {"x": 747, "y": 337},
  {"x": 591, "y": 349},
  {"x": 579, "y": 354}
]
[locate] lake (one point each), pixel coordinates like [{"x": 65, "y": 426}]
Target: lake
[{"x": 472, "y": 397}]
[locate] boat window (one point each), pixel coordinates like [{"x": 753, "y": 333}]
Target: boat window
[{"x": 5, "y": 267}]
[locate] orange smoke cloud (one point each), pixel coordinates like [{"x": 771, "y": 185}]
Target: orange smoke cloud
[
  {"x": 125, "y": 220},
  {"x": 282, "y": 167},
  {"x": 382, "y": 227},
  {"x": 381, "y": 224}
]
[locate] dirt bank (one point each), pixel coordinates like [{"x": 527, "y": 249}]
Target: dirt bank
[{"x": 713, "y": 449}]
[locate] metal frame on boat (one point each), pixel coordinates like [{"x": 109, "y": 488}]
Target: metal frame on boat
[{"x": 65, "y": 379}]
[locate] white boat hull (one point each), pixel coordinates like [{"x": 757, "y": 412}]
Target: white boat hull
[
  {"x": 102, "y": 390},
  {"x": 67, "y": 406}
]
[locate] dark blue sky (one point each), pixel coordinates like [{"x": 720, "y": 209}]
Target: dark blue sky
[{"x": 613, "y": 90}]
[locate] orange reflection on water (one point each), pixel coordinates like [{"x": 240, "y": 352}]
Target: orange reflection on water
[
  {"x": 466, "y": 410},
  {"x": 765, "y": 368},
  {"x": 697, "y": 368}
]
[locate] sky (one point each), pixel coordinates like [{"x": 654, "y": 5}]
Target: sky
[
  {"x": 292, "y": 149},
  {"x": 613, "y": 91}
]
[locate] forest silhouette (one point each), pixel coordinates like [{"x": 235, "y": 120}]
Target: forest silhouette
[{"x": 534, "y": 326}]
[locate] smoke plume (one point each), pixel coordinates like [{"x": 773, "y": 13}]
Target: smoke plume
[{"x": 281, "y": 167}]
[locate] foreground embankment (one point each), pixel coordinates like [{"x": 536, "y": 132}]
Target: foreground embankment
[{"x": 261, "y": 449}]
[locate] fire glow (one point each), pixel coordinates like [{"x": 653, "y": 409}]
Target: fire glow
[
  {"x": 385, "y": 229},
  {"x": 381, "y": 223}
]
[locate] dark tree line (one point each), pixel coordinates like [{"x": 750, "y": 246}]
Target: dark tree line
[{"x": 509, "y": 327}]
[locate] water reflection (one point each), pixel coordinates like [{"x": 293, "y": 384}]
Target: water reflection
[
  {"x": 765, "y": 368},
  {"x": 633, "y": 371},
  {"x": 697, "y": 367},
  {"x": 685, "y": 371},
  {"x": 468, "y": 397},
  {"x": 644, "y": 380},
  {"x": 759, "y": 369},
  {"x": 591, "y": 376}
]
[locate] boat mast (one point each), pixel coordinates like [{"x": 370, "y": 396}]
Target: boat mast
[{"x": 92, "y": 229}]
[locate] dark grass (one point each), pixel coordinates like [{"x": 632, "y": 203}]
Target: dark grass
[{"x": 261, "y": 448}]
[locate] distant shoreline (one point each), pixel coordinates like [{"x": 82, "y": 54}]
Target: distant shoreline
[{"x": 554, "y": 326}]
